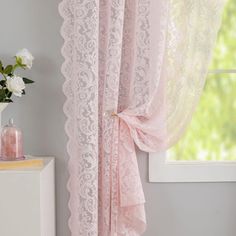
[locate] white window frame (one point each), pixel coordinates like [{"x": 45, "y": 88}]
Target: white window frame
[{"x": 161, "y": 170}]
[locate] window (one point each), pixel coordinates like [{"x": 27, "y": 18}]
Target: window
[{"x": 207, "y": 152}]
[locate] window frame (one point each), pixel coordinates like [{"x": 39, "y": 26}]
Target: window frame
[{"x": 161, "y": 170}]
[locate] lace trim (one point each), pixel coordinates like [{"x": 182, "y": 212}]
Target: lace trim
[{"x": 81, "y": 111}]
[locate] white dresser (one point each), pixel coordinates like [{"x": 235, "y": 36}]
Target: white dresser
[{"x": 27, "y": 201}]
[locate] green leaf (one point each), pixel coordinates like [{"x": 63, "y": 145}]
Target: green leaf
[
  {"x": 8, "y": 94},
  {"x": 2, "y": 95},
  {"x": 8, "y": 69},
  {"x": 8, "y": 100},
  {"x": 28, "y": 81},
  {"x": 1, "y": 69},
  {"x": 19, "y": 61},
  {"x": 2, "y": 83}
]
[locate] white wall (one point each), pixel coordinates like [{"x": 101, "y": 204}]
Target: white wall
[
  {"x": 35, "y": 24},
  {"x": 188, "y": 209},
  {"x": 172, "y": 209}
]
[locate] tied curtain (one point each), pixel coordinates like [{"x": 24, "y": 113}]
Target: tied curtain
[{"x": 134, "y": 70}]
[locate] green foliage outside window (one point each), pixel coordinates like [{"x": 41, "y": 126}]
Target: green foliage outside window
[{"x": 212, "y": 132}]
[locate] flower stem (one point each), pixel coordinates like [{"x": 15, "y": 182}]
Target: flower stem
[{"x": 14, "y": 67}]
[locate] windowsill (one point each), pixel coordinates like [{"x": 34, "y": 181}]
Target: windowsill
[{"x": 161, "y": 170}]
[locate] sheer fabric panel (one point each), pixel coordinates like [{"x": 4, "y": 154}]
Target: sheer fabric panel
[{"x": 134, "y": 73}]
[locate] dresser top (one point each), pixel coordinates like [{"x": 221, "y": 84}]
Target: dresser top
[{"x": 47, "y": 161}]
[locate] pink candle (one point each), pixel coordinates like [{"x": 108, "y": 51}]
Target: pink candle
[{"x": 11, "y": 143}]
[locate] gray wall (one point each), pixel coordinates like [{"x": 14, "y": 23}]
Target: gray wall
[{"x": 172, "y": 209}]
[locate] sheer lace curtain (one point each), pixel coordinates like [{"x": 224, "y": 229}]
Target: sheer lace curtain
[{"x": 134, "y": 70}]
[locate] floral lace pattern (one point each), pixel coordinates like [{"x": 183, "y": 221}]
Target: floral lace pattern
[
  {"x": 80, "y": 31},
  {"x": 134, "y": 72},
  {"x": 192, "y": 31}
]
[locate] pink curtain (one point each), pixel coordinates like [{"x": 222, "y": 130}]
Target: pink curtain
[{"x": 134, "y": 73}]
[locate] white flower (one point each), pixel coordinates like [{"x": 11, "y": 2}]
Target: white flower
[
  {"x": 26, "y": 57},
  {"x": 16, "y": 85}
]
